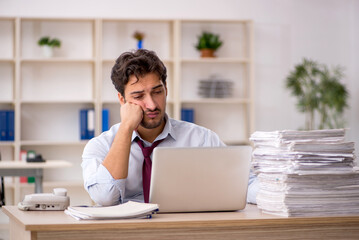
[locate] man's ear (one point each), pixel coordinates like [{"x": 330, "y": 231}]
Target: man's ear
[{"x": 121, "y": 98}]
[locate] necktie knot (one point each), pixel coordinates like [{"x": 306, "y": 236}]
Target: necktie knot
[{"x": 147, "y": 151}]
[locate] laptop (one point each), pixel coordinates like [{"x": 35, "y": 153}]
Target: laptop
[{"x": 200, "y": 179}]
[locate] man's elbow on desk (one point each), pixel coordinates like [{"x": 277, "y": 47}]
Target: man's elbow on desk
[{"x": 104, "y": 195}]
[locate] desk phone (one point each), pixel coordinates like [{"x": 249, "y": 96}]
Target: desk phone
[{"x": 58, "y": 200}]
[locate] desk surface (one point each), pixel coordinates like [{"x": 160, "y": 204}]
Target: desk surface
[
  {"x": 22, "y": 165},
  {"x": 250, "y": 216}
]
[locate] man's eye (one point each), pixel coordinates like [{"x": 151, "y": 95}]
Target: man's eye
[
  {"x": 138, "y": 97},
  {"x": 158, "y": 92}
]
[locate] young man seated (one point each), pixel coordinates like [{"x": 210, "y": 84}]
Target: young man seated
[{"x": 116, "y": 165}]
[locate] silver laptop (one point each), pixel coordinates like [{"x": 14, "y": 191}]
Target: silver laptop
[{"x": 200, "y": 179}]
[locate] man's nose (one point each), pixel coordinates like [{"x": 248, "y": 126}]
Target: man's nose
[{"x": 150, "y": 103}]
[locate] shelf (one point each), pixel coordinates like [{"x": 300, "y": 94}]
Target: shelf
[
  {"x": 57, "y": 60},
  {"x": 217, "y": 21},
  {"x": 58, "y": 101},
  {"x": 7, "y": 60},
  {"x": 112, "y": 60},
  {"x": 53, "y": 143},
  {"x": 6, "y": 102},
  {"x": 7, "y": 143},
  {"x": 218, "y": 101},
  {"x": 55, "y": 184},
  {"x": 216, "y": 60}
]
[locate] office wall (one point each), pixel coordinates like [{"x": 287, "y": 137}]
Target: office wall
[{"x": 285, "y": 32}]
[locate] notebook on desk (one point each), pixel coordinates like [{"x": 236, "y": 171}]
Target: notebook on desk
[{"x": 200, "y": 179}]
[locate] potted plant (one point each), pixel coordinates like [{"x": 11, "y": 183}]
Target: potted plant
[
  {"x": 208, "y": 43},
  {"x": 139, "y": 36},
  {"x": 319, "y": 93},
  {"x": 48, "y": 44}
]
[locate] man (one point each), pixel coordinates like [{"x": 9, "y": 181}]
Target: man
[{"x": 114, "y": 164}]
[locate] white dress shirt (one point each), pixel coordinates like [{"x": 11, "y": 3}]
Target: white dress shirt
[{"x": 105, "y": 190}]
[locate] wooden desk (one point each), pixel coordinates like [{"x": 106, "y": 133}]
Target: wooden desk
[
  {"x": 247, "y": 224},
  {"x": 33, "y": 169}
]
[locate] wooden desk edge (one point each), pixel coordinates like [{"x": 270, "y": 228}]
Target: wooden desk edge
[{"x": 161, "y": 223}]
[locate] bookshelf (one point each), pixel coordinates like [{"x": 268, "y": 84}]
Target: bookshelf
[{"x": 47, "y": 93}]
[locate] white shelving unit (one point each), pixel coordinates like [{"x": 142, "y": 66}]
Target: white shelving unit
[{"x": 47, "y": 93}]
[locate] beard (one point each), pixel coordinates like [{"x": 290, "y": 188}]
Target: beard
[{"x": 153, "y": 123}]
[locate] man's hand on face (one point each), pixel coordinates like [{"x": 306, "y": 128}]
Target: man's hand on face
[{"x": 131, "y": 115}]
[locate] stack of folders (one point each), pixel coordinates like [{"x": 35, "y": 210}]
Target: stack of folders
[
  {"x": 306, "y": 173},
  {"x": 127, "y": 210}
]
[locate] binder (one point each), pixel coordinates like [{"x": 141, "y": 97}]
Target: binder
[
  {"x": 10, "y": 125},
  {"x": 105, "y": 119},
  {"x": 3, "y": 126},
  {"x": 90, "y": 123},
  {"x": 187, "y": 114},
  {"x": 83, "y": 124}
]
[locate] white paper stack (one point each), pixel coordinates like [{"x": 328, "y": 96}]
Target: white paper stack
[
  {"x": 306, "y": 173},
  {"x": 129, "y": 209}
]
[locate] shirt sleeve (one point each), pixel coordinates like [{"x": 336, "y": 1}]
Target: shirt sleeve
[
  {"x": 103, "y": 189},
  {"x": 212, "y": 140}
]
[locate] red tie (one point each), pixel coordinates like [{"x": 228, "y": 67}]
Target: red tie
[{"x": 147, "y": 165}]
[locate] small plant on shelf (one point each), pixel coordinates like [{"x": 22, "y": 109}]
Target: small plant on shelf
[
  {"x": 208, "y": 43},
  {"x": 48, "y": 44},
  {"x": 139, "y": 36}
]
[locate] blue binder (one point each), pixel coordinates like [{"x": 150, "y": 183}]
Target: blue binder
[
  {"x": 105, "y": 119},
  {"x": 187, "y": 114},
  {"x": 3, "y": 126},
  {"x": 83, "y": 124},
  {"x": 10, "y": 125}
]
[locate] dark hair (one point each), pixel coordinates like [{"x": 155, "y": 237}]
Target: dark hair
[{"x": 138, "y": 63}]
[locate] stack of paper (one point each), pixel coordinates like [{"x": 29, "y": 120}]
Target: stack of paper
[
  {"x": 306, "y": 173},
  {"x": 129, "y": 209}
]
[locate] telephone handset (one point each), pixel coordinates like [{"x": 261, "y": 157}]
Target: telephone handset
[{"x": 58, "y": 200}]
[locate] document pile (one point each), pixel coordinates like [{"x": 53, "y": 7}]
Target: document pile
[
  {"x": 306, "y": 173},
  {"x": 129, "y": 209}
]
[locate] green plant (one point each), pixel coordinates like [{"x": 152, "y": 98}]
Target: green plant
[
  {"x": 49, "y": 42},
  {"x": 139, "y": 35},
  {"x": 319, "y": 92},
  {"x": 208, "y": 40}
]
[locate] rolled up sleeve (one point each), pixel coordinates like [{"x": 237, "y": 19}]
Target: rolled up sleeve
[{"x": 103, "y": 189}]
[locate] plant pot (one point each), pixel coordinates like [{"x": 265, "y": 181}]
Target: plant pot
[
  {"x": 47, "y": 51},
  {"x": 207, "y": 53},
  {"x": 139, "y": 44}
]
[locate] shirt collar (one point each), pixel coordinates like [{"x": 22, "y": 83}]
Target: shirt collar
[{"x": 167, "y": 131}]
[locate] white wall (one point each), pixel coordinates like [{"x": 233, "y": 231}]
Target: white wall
[{"x": 285, "y": 32}]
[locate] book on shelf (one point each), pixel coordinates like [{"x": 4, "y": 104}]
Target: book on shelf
[
  {"x": 87, "y": 122},
  {"x": 90, "y": 123},
  {"x": 7, "y": 125},
  {"x": 23, "y": 156},
  {"x": 187, "y": 114},
  {"x": 306, "y": 173},
  {"x": 105, "y": 119},
  {"x": 126, "y": 210}
]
